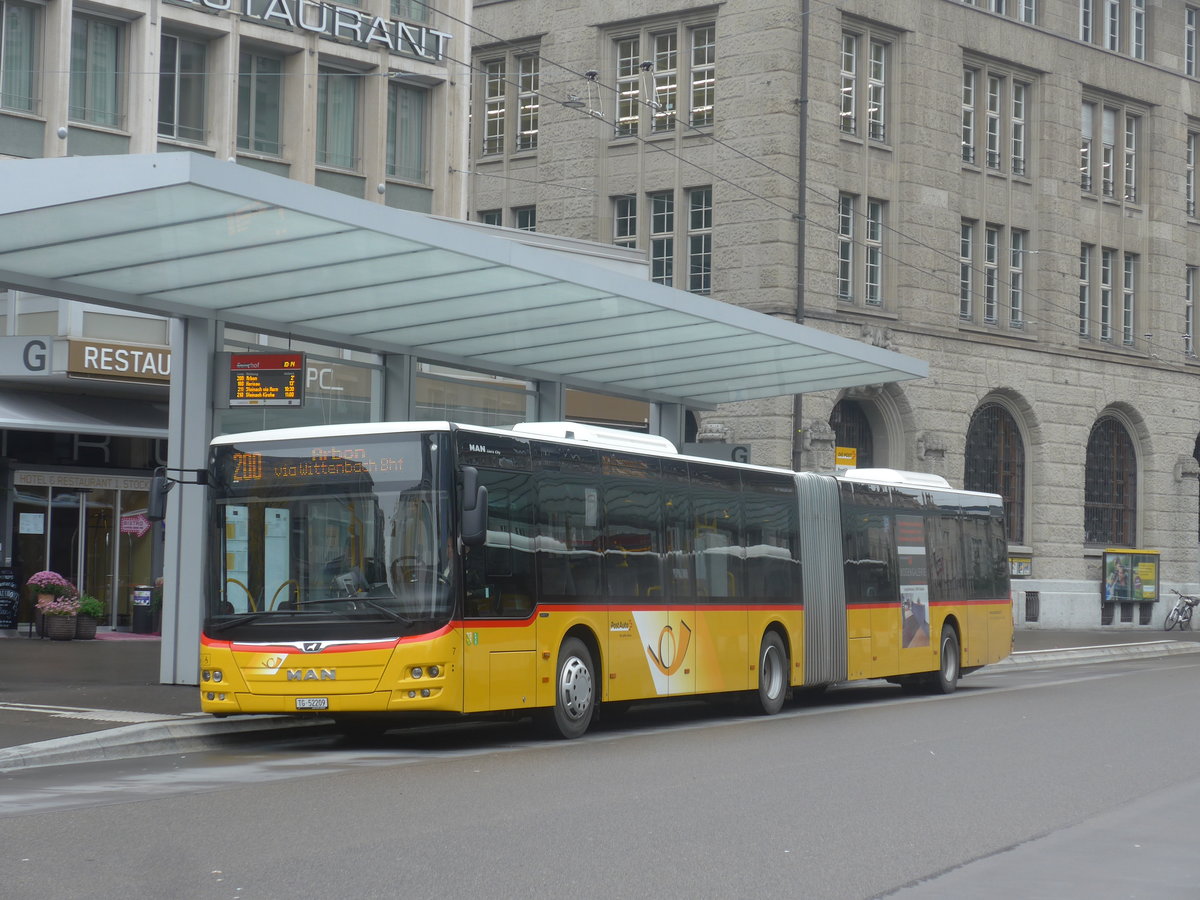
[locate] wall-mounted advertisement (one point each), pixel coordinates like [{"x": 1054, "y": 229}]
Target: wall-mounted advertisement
[{"x": 1130, "y": 576}]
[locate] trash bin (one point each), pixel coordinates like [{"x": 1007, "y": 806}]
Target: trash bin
[{"x": 143, "y": 611}]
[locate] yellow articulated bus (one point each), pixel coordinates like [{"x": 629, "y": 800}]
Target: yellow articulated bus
[{"x": 375, "y": 572}]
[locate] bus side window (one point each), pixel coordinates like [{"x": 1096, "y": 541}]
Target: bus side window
[{"x": 499, "y": 575}]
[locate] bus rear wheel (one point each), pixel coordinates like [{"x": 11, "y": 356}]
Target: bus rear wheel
[
  {"x": 772, "y": 674},
  {"x": 950, "y": 659},
  {"x": 574, "y": 690}
]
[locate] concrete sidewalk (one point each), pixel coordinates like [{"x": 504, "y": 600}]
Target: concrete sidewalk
[{"x": 75, "y": 701}]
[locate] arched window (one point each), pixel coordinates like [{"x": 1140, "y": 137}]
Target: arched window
[
  {"x": 995, "y": 463},
  {"x": 1110, "y": 486},
  {"x": 851, "y": 429}
]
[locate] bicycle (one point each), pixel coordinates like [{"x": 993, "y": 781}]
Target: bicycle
[{"x": 1181, "y": 613}]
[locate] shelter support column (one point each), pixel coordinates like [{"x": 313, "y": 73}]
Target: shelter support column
[
  {"x": 551, "y": 402},
  {"x": 185, "y": 561},
  {"x": 667, "y": 420},
  {"x": 399, "y": 387}
]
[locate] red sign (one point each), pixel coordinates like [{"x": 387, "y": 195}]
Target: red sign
[{"x": 136, "y": 524}]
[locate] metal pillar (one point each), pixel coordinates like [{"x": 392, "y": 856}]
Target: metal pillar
[{"x": 185, "y": 561}]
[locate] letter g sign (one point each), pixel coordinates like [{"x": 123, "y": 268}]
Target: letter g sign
[{"x": 35, "y": 356}]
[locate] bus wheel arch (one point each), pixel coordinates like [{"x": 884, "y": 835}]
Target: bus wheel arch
[
  {"x": 774, "y": 671},
  {"x": 949, "y": 658}
]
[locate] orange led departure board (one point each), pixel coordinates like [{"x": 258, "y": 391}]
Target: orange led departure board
[{"x": 266, "y": 379}]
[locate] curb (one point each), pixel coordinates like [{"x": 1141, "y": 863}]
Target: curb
[
  {"x": 181, "y": 735},
  {"x": 1078, "y": 656}
]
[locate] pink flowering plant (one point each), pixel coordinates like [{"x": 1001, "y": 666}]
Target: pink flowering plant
[
  {"x": 54, "y": 584},
  {"x": 58, "y": 606}
]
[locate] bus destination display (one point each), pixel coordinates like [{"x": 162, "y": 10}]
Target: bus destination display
[{"x": 266, "y": 379}]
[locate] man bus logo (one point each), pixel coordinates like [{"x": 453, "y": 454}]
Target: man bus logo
[
  {"x": 670, "y": 657},
  {"x": 311, "y": 675}
]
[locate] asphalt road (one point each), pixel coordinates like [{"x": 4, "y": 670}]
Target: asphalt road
[{"x": 1067, "y": 783}]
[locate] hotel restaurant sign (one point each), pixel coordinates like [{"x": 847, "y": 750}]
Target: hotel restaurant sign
[{"x": 338, "y": 23}]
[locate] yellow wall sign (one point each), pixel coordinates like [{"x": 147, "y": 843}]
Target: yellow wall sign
[{"x": 845, "y": 457}]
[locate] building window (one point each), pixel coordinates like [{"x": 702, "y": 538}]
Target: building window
[
  {"x": 995, "y": 463},
  {"x": 504, "y": 96},
  {"x": 997, "y": 259},
  {"x": 97, "y": 48},
  {"x": 19, "y": 64},
  {"x": 991, "y": 273},
  {"x": 966, "y": 270},
  {"x": 1190, "y": 16},
  {"x": 1117, "y": 133},
  {"x": 846, "y": 231},
  {"x": 1085, "y": 290},
  {"x": 408, "y": 130},
  {"x": 1189, "y": 181},
  {"x": 700, "y": 221},
  {"x": 528, "y": 104},
  {"x": 410, "y": 10},
  {"x": 851, "y": 428},
  {"x": 665, "y": 91},
  {"x": 1016, "y": 278},
  {"x": 525, "y": 218},
  {"x": 864, "y": 94},
  {"x": 869, "y": 281},
  {"x": 968, "y": 115},
  {"x": 1003, "y": 111},
  {"x": 1107, "y": 264},
  {"x": 1029, "y": 12},
  {"x": 181, "y": 80},
  {"x": 260, "y": 103},
  {"x": 1110, "y": 486},
  {"x": 704, "y": 74},
  {"x": 491, "y": 217},
  {"x": 873, "y": 245},
  {"x": 662, "y": 238},
  {"x": 494, "y": 109},
  {"x": 1121, "y": 25},
  {"x": 337, "y": 119},
  {"x": 1189, "y": 311},
  {"x": 1128, "y": 298},
  {"x": 649, "y": 89},
  {"x": 625, "y": 221}
]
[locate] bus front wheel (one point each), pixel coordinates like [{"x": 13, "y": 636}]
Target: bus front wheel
[
  {"x": 574, "y": 689},
  {"x": 772, "y": 674},
  {"x": 948, "y": 668}
]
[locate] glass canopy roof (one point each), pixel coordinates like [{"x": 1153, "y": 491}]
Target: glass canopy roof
[{"x": 182, "y": 234}]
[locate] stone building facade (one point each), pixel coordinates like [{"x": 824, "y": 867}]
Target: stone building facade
[{"x": 1004, "y": 188}]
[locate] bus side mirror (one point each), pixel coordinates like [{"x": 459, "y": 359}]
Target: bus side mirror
[
  {"x": 474, "y": 508},
  {"x": 160, "y": 486}
]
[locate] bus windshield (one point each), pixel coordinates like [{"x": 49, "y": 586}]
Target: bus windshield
[{"x": 351, "y": 537}]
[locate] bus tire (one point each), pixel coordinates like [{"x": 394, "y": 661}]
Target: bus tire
[
  {"x": 574, "y": 690},
  {"x": 950, "y": 660},
  {"x": 772, "y": 674}
]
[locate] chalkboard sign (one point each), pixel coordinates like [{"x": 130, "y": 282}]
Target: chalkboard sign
[{"x": 10, "y": 598}]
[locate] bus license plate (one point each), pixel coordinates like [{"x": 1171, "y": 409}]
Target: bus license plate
[{"x": 312, "y": 703}]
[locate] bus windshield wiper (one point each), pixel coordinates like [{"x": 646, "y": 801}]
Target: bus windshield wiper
[
  {"x": 390, "y": 613},
  {"x": 254, "y": 617}
]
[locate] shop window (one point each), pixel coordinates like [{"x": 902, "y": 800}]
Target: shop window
[
  {"x": 995, "y": 463},
  {"x": 1110, "y": 486}
]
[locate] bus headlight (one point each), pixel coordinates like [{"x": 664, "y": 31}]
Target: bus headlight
[
  {"x": 416, "y": 671},
  {"x": 217, "y": 676},
  {"x": 434, "y": 671}
]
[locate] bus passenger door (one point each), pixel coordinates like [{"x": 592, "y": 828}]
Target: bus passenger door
[{"x": 499, "y": 630}]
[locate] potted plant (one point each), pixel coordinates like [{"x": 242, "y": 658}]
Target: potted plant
[
  {"x": 58, "y": 616},
  {"x": 91, "y": 611},
  {"x": 49, "y": 586}
]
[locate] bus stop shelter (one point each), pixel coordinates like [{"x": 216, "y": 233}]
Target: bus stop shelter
[{"x": 210, "y": 243}]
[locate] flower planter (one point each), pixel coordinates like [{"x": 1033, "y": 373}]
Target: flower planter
[
  {"x": 60, "y": 628},
  {"x": 85, "y": 627}
]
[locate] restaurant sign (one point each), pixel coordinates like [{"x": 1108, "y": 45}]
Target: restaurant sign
[{"x": 338, "y": 23}]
